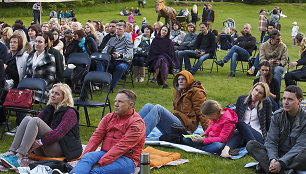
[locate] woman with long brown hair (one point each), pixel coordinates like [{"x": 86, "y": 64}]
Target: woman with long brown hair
[{"x": 266, "y": 71}]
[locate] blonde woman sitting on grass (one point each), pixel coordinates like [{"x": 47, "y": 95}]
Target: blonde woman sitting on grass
[{"x": 53, "y": 133}]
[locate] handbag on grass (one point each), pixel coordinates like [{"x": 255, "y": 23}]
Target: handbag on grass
[{"x": 19, "y": 98}]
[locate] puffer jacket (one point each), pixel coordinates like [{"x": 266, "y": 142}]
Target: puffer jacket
[
  {"x": 187, "y": 103},
  {"x": 221, "y": 130}
]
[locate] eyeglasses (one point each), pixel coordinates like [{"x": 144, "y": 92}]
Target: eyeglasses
[{"x": 68, "y": 32}]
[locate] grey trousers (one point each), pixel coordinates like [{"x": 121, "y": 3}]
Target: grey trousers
[
  {"x": 30, "y": 129},
  {"x": 259, "y": 153}
]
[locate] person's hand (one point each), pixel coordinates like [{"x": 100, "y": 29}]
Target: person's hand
[
  {"x": 292, "y": 64},
  {"x": 203, "y": 134},
  {"x": 34, "y": 146},
  {"x": 95, "y": 166},
  {"x": 196, "y": 51},
  {"x": 197, "y": 139},
  {"x": 5, "y": 66},
  {"x": 201, "y": 54},
  {"x": 275, "y": 166},
  {"x": 115, "y": 55}
]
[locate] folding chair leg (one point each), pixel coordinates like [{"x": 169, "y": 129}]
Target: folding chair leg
[{"x": 87, "y": 116}]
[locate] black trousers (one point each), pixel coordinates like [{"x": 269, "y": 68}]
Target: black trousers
[{"x": 295, "y": 75}]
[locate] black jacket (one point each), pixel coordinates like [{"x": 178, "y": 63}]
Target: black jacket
[
  {"x": 104, "y": 41},
  {"x": 3, "y": 52},
  {"x": 73, "y": 47},
  {"x": 59, "y": 64},
  {"x": 264, "y": 115},
  {"x": 71, "y": 143},
  {"x": 206, "y": 42},
  {"x": 247, "y": 42}
]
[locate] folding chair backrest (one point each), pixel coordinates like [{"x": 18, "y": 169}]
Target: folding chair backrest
[
  {"x": 101, "y": 57},
  {"x": 79, "y": 59},
  {"x": 98, "y": 77},
  {"x": 32, "y": 83}
]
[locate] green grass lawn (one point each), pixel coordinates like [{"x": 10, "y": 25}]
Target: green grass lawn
[{"x": 218, "y": 85}]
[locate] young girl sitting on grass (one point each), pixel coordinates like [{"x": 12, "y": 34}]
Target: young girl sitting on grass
[{"x": 222, "y": 124}]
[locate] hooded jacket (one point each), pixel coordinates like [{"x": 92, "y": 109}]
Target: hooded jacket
[
  {"x": 221, "y": 130},
  {"x": 187, "y": 103}
]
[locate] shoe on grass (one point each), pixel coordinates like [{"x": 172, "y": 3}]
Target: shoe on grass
[
  {"x": 153, "y": 80},
  {"x": 11, "y": 162},
  {"x": 5, "y": 156},
  {"x": 220, "y": 63},
  {"x": 251, "y": 70},
  {"x": 165, "y": 86}
]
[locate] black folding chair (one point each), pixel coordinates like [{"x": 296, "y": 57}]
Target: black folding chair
[
  {"x": 32, "y": 84},
  {"x": 75, "y": 76},
  {"x": 244, "y": 60},
  {"x": 77, "y": 59},
  {"x": 103, "y": 78},
  {"x": 101, "y": 57}
]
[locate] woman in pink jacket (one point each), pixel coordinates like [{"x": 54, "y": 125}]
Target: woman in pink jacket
[{"x": 222, "y": 124}]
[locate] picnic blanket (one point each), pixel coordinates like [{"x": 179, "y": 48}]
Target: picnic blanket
[
  {"x": 153, "y": 139},
  {"x": 26, "y": 161}
]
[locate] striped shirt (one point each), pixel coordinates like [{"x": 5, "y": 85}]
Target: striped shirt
[{"x": 123, "y": 46}]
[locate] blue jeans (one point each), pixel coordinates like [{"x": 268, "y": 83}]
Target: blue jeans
[
  {"x": 122, "y": 165},
  {"x": 158, "y": 116},
  {"x": 234, "y": 53},
  {"x": 190, "y": 53},
  {"x": 277, "y": 74},
  {"x": 139, "y": 61},
  {"x": 256, "y": 63},
  {"x": 36, "y": 16},
  {"x": 117, "y": 67},
  {"x": 214, "y": 147},
  {"x": 275, "y": 105},
  {"x": 243, "y": 134}
]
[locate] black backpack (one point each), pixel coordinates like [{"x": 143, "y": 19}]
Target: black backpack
[{"x": 53, "y": 164}]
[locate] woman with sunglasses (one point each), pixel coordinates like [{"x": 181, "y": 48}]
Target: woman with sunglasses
[{"x": 266, "y": 71}]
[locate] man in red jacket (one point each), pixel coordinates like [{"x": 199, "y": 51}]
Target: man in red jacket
[{"x": 123, "y": 135}]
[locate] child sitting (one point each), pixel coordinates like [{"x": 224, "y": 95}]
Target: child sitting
[{"x": 222, "y": 124}]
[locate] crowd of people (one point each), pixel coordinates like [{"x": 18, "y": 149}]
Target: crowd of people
[{"x": 273, "y": 133}]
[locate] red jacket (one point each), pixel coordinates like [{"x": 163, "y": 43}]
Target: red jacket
[
  {"x": 124, "y": 135},
  {"x": 222, "y": 130}
]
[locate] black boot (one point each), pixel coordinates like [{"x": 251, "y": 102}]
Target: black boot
[
  {"x": 232, "y": 74},
  {"x": 220, "y": 63}
]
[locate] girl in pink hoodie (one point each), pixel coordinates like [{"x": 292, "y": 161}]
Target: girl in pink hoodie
[{"x": 220, "y": 130}]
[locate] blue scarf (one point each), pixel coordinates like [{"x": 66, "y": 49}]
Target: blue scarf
[{"x": 82, "y": 45}]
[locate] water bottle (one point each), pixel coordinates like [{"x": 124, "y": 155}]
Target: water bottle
[{"x": 145, "y": 163}]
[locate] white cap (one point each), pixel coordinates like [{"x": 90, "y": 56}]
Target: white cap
[{"x": 294, "y": 23}]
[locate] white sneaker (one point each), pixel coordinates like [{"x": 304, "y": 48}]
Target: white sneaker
[{"x": 12, "y": 132}]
